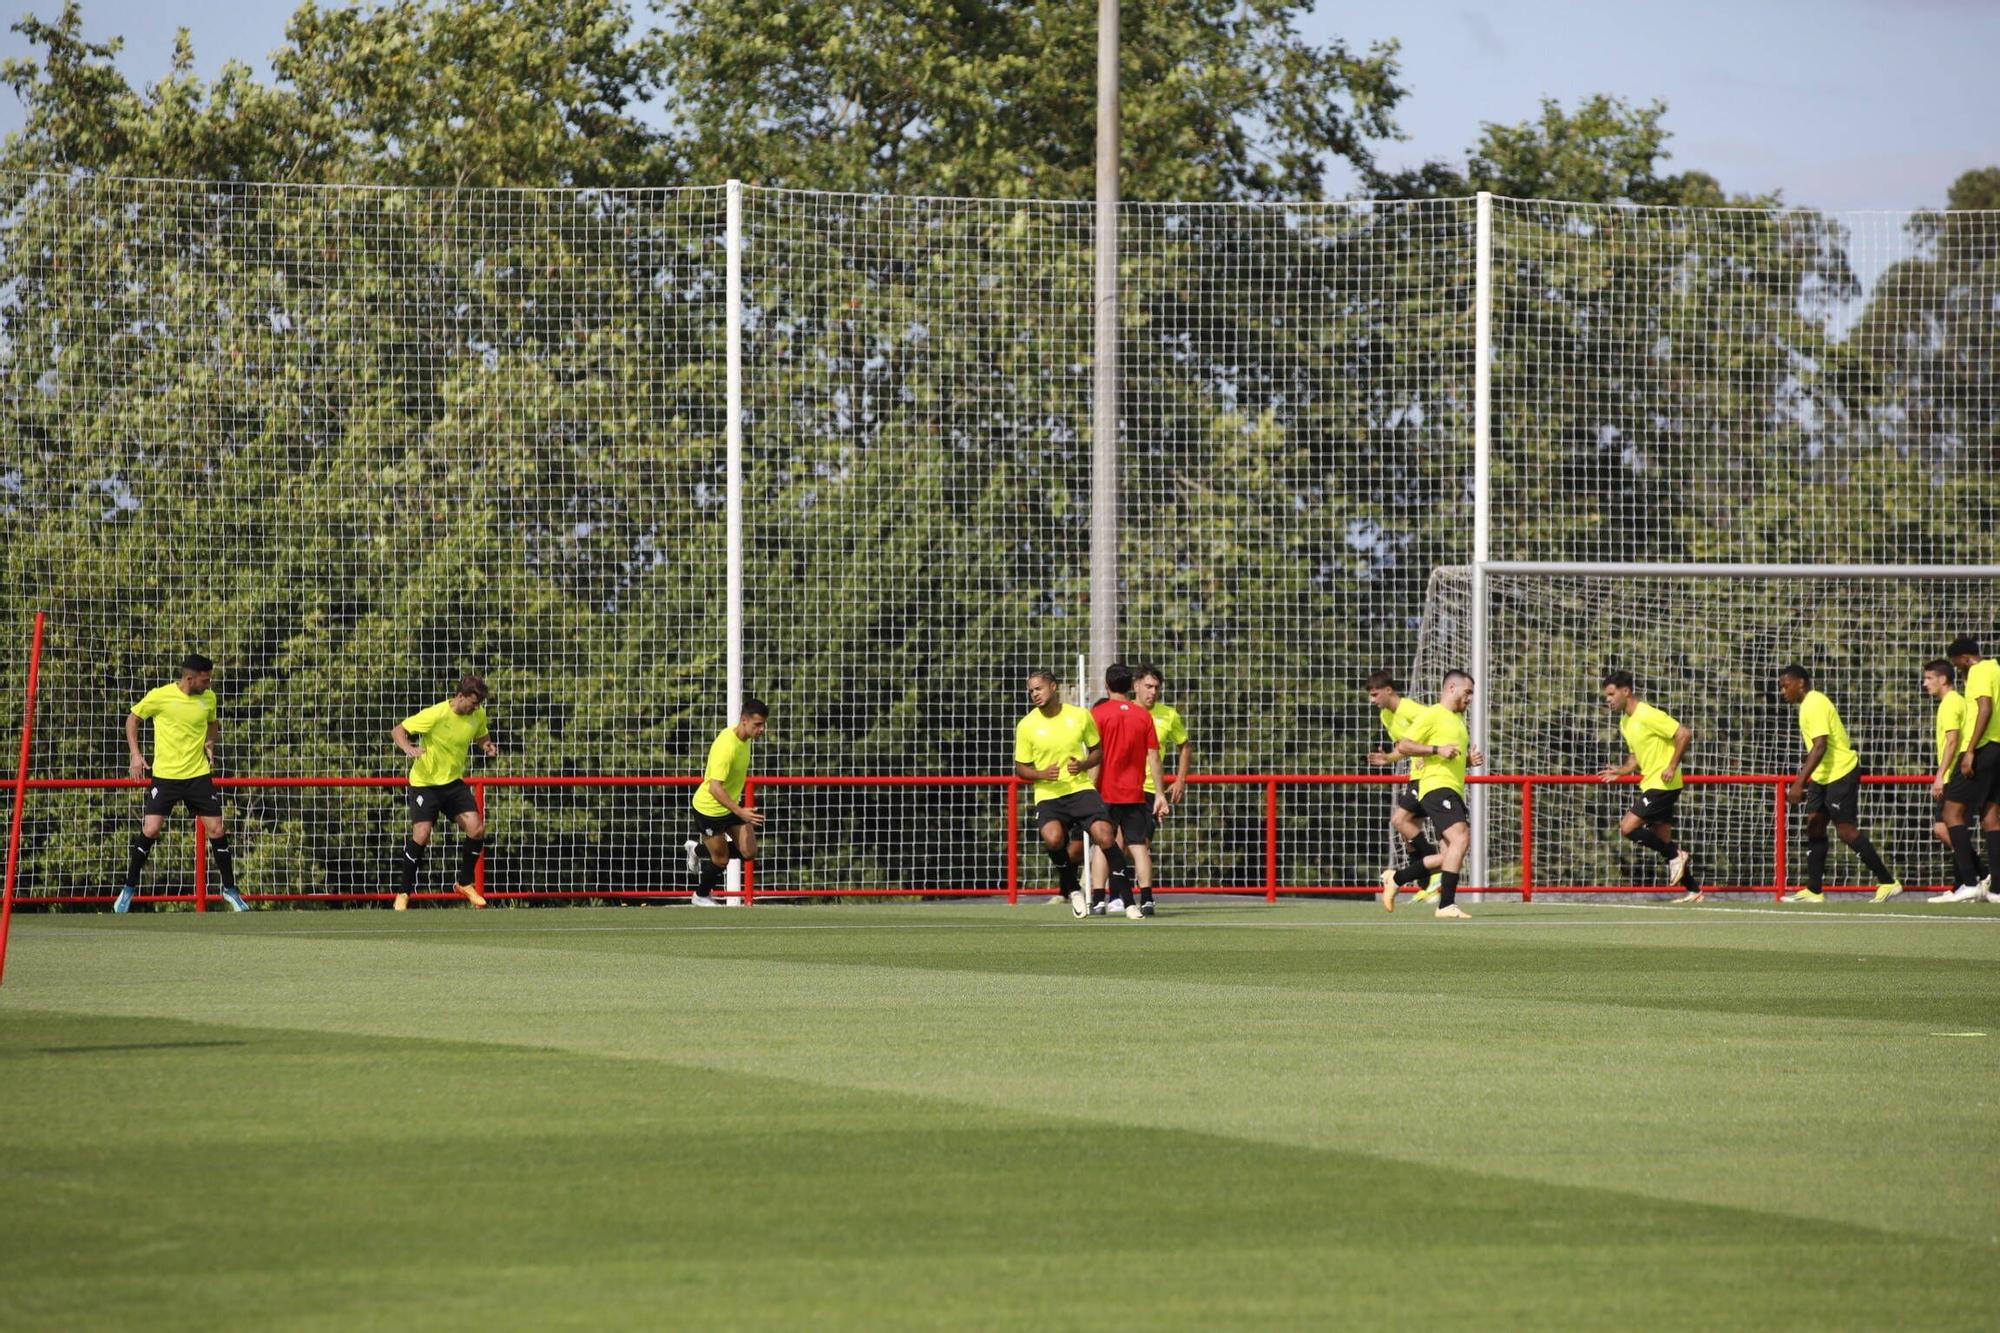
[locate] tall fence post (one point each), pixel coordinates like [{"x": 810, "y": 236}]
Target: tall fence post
[
  {"x": 479, "y": 866},
  {"x": 1528, "y": 842},
  {"x": 200, "y": 865},
  {"x": 732, "y": 431},
  {"x": 749, "y": 880},
  {"x": 20, "y": 791},
  {"x": 1784, "y": 836},
  {"x": 1482, "y": 506},
  {"x": 1271, "y": 841},
  {"x": 1013, "y": 843}
]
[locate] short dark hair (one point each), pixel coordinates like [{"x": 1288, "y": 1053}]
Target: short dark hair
[
  {"x": 1937, "y": 666},
  {"x": 1379, "y": 681},
  {"x": 474, "y": 685},
  {"x": 1457, "y": 674},
  {"x": 1963, "y": 646},
  {"x": 196, "y": 663},
  {"x": 1146, "y": 669},
  {"x": 1118, "y": 679},
  {"x": 755, "y": 707},
  {"x": 1797, "y": 673},
  {"x": 1620, "y": 677},
  {"x": 1048, "y": 676}
]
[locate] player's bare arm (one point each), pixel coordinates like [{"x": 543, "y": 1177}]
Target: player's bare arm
[
  {"x": 1980, "y": 717},
  {"x": 1624, "y": 770},
  {"x": 1683, "y": 737},
  {"x": 1943, "y": 774},
  {"x": 748, "y": 814},
  {"x": 1796, "y": 790},
  {"x": 138, "y": 764}
]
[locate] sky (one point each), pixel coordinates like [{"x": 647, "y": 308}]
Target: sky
[{"x": 1839, "y": 104}]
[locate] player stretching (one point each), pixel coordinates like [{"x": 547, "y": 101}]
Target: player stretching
[
  {"x": 1954, "y": 792},
  {"x": 1438, "y": 737},
  {"x": 1147, "y": 683},
  {"x": 1655, "y": 744},
  {"x": 1979, "y": 763},
  {"x": 1055, "y": 747},
  {"x": 437, "y": 784},
  {"x": 1131, "y": 757},
  {"x": 1406, "y": 814},
  {"x": 184, "y": 735},
  {"x": 723, "y": 825},
  {"x": 1828, "y": 789}
]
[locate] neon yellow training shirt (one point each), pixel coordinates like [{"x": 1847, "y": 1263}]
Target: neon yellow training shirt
[
  {"x": 1398, "y": 723},
  {"x": 1953, "y": 714},
  {"x": 1041, "y": 741},
  {"x": 1167, "y": 725},
  {"x": 448, "y": 742},
  {"x": 180, "y": 730},
  {"x": 1818, "y": 717},
  {"x": 729, "y": 764},
  {"x": 1438, "y": 725},
  {"x": 1982, "y": 681},
  {"x": 1649, "y": 735}
]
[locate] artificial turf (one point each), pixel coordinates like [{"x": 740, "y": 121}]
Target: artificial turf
[{"x": 897, "y": 1116}]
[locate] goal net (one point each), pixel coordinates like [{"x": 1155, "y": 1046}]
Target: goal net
[{"x": 1707, "y": 648}]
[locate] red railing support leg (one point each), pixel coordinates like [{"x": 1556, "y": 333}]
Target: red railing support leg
[
  {"x": 1527, "y": 842},
  {"x": 749, "y": 871},
  {"x": 1271, "y": 842},
  {"x": 200, "y": 865},
  {"x": 1784, "y": 836},
  {"x": 20, "y": 792},
  {"x": 1013, "y": 843},
  {"x": 479, "y": 804}
]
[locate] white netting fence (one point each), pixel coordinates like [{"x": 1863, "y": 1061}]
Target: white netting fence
[{"x": 350, "y": 442}]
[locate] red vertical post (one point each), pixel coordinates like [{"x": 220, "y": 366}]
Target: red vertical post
[
  {"x": 749, "y": 871},
  {"x": 1271, "y": 841},
  {"x": 479, "y": 804},
  {"x": 1784, "y": 836},
  {"x": 20, "y": 792},
  {"x": 1013, "y": 843},
  {"x": 200, "y": 865},
  {"x": 1527, "y": 842}
]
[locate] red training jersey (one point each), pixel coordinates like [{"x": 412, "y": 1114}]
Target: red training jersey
[{"x": 1127, "y": 731}]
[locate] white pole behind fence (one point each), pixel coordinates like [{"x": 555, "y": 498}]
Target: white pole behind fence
[
  {"x": 1482, "y": 504},
  {"x": 1104, "y": 407},
  {"x": 733, "y": 482}
]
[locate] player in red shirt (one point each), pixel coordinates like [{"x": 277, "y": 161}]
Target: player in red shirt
[{"x": 1131, "y": 751}]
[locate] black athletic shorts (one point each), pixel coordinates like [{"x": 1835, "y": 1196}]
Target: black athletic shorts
[
  {"x": 1134, "y": 819},
  {"x": 707, "y": 825},
  {"x": 1656, "y": 807},
  {"x": 1981, "y": 787},
  {"x": 199, "y": 793},
  {"x": 430, "y": 804},
  {"x": 1076, "y": 811},
  {"x": 1839, "y": 800},
  {"x": 1406, "y": 800},
  {"x": 1445, "y": 807}
]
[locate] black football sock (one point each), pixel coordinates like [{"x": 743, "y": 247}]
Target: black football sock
[
  {"x": 1871, "y": 858},
  {"x": 1816, "y": 863},
  {"x": 407, "y": 865},
  {"x": 711, "y": 879},
  {"x": 1447, "y": 888},
  {"x": 1065, "y": 872},
  {"x": 469, "y": 853},
  {"x": 1420, "y": 847},
  {"x": 135, "y": 865},
  {"x": 1413, "y": 872},
  {"x": 1652, "y": 842},
  {"x": 225, "y": 860},
  {"x": 1964, "y": 861}
]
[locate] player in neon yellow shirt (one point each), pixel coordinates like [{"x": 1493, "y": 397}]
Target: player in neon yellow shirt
[
  {"x": 185, "y": 732},
  {"x": 1655, "y": 744},
  {"x": 1055, "y": 747},
  {"x": 1951, "y": 790},
  {"x": 1979, "y": 765},
  {"x": 1406, "y": 814},
  {"x": 1828, "y": 788},
  {"x": 1439, "y": 737},
  {"x": 1147, "y": 685},
  {"x": 437, "y": 789},
  {"x": 724, "y": 826}
]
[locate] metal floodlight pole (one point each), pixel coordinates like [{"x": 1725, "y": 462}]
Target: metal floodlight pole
[
  {"x": 733, "y": 478},
  {"x": 1482, "y": 503},
  {"x": 1104, "y": 395}
]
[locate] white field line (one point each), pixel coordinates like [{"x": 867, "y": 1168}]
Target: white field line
[{"x": 1985, "y": 918}]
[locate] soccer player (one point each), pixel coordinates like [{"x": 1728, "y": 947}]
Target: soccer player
[
  {"x": 1406, "y": 814},
  {"x": 1147, "y": 685},
  {"x": 1828, "y": 789},
  {"x": 437, "y": 788},
  {"x": 1655, "y": 744},
  {"x": 1951, "y": 790},
  {"x": 1131, "y": 747},
  {"x": 723, "y": 825},
  {"x": 1055, "y": 747},
  {"x": 1979, "y": 761},
  {"x": 185, "y": 731},
  {"x": 1438, "y": 736}
]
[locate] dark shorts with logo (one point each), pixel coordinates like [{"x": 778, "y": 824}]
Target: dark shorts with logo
[
  {"x": 1076, "y": 811},
  {"x": 449, "y": 801},
  {"x": 707, "y": 825},
  {"x": 1134, "y": 819},
  {"x": 1656, "y": 807},
  {"x": 1406, "y": 800},
  {"x": 1981, "y": 787},
  {"x": 199, "y": 794},
  {"x": 1839, "y": 800},
  {"x": 1445, "y": 807}
]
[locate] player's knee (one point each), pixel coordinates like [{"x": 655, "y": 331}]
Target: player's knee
[
  {"x": 420, "y": 834},
  {"x": 475, "y": 826}
]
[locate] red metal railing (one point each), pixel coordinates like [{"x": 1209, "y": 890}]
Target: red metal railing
[{"x": 1270, "y": 785}]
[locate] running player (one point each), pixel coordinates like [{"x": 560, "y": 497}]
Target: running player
[
  {"x": 1828, "y": 789},
  {"x": 1131, "y": 757},
  {"x": 1439, "y": 737},
  {"x": 1406, "y": 814},
  {"x": 1147, "y": 684},
  {"x": 185, "y": 731},
  {"x": 1055, "y": 747},
  {"x": 1655, "y": 744},
  {"x": 437, "y": 789},
  {"x": 1979, "y": 762},
  {"x": 723, "y": 825},
  {"x": 1951, "y": 790}
]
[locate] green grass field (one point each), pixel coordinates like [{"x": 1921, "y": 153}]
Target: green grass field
[{"x": 975, "y": 1115}]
